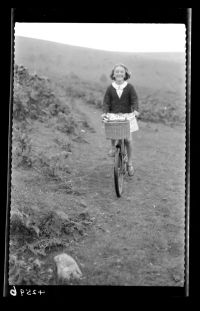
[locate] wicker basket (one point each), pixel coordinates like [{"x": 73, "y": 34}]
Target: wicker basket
[{"x": 117, "y": 129}]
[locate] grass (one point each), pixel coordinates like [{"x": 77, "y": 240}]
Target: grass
[{"x": 48, "y": 214}]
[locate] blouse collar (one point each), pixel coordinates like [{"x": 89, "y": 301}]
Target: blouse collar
[{"x": 119, "y": 86}]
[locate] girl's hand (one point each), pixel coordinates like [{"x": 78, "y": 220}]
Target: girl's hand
[
  {"x": 136, "y": 113},
  {"x": 104, "y": 117}
]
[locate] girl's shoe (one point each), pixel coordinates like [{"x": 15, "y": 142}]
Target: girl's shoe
[
  {"x": 111, "y": 152},
  {"x": 131, "y": 170}
]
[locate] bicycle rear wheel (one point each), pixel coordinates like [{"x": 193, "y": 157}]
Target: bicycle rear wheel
[{"x": 118, "y": 173}]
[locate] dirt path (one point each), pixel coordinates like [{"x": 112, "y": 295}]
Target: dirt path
[{"x": 137, "y": 239}]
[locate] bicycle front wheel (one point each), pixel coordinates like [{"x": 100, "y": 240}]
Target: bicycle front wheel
[{"x": 118, "y": 173}]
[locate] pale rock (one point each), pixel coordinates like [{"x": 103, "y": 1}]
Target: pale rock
[{"x": 67, "y": 267}]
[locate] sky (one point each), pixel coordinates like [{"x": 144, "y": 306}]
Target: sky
[{"x": 122, "y": 37}]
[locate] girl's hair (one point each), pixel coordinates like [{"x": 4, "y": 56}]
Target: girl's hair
[{"x": 127, "y": 73}]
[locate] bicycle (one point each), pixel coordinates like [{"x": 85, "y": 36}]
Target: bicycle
[{"x": 119, "y": 130}]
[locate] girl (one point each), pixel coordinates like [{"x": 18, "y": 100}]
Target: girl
[{"x": 121, "y": 97}]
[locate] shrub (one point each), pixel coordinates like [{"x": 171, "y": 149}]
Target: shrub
[
  {"x": 66, "y": 123},
  {"x": 54, "y": 166},
  {"x": 56, "y": 230},
  {"x": 29, "y": 272},
  {"x": 33, "y": 96},
  {"x": 162, "y": 107},
  {"x": 64, "y": 144},
  {"x": 22, "y": 146},
  {"x": 40, "y": 233}
]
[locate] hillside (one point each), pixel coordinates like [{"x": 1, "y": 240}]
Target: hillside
[
  {"x": 158, "y": 77},
  {"x": 151, "y": 70}
]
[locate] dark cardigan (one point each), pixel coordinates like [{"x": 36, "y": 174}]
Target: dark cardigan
[{"x": 128, "y": 102}]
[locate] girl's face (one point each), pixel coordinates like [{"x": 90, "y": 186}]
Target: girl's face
[{"x": 119, "y": 74}]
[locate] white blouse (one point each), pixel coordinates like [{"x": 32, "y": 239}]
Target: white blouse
[{"x": 119, "y": 87}]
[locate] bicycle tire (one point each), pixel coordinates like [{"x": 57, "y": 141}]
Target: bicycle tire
[{"x": 118, "y": 173}]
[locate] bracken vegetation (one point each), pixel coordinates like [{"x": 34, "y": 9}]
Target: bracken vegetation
[{"x": 34, "y": 234}]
